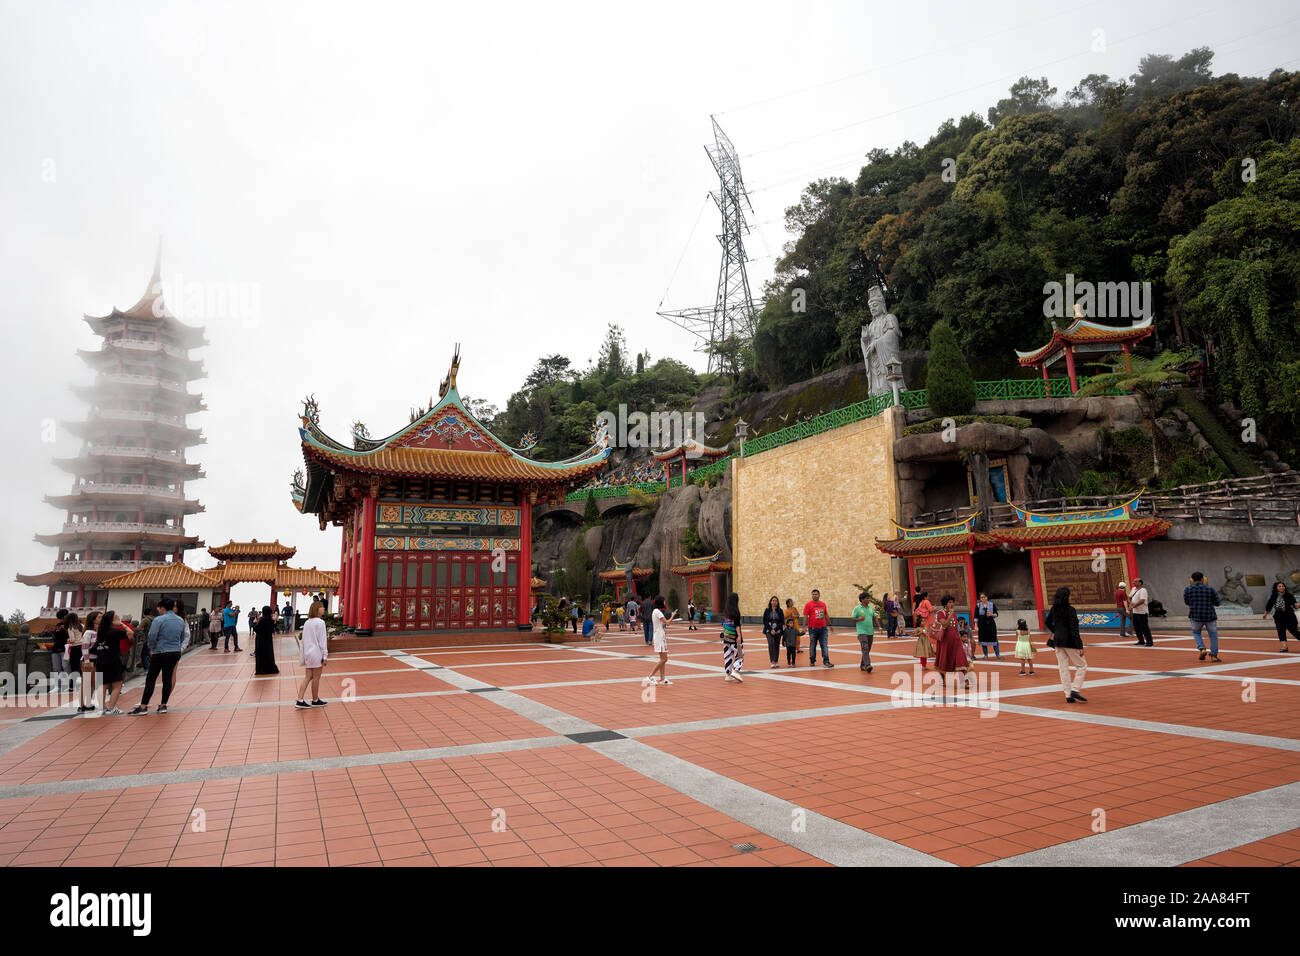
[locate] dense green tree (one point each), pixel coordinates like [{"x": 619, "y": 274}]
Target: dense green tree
[
  {"x": 1027, "y": 96},
  {"x": 577, "y": 571},
  {"x": 550, "y": 369},
  {"x": 1237, "y": 276},
  {"x": 949, "y": 385}
]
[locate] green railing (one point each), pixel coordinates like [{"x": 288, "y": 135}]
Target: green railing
[{"x": 1007, "y": 389}]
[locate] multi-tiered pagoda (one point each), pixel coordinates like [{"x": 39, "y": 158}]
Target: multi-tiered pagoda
[{"x": 127, "y": 505}]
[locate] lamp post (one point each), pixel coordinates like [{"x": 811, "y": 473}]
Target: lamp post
[
  {"x": 894, "y": 376},
  {"x": 742, "y": 429}
]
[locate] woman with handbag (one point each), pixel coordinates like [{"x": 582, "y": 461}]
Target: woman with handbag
[
  {"x": 85, "y": 659},
  {"x": 986, "y": 625},
  {"x": 1063, "y": 621},
  {"x": 774, "y": 629},
  {"x": 733, "y": 648}
]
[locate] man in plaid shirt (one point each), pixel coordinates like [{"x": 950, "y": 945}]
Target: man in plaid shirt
[{"x": 1201, "y": 600}]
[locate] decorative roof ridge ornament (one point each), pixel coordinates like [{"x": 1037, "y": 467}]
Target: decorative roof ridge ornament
[
  {"x": 449, "y": 380},
  {"x": 311, "y": 410}
]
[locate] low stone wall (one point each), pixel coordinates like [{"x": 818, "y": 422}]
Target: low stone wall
[{"x": 1165, "y": 566}]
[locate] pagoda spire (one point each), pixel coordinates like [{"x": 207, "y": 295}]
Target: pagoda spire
[{"x": 151, "y": 304}]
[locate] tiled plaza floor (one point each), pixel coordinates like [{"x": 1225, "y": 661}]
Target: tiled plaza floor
[{"x": 531, "y": 754}]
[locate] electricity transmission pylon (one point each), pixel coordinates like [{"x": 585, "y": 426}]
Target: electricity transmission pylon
[{"x": 732, "y": 316}]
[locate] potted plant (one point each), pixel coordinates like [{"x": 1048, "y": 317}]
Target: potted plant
[{"x": 552, "y": 620}]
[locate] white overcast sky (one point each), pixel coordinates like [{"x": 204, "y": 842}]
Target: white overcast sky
[{"x": 385, "y": 179}]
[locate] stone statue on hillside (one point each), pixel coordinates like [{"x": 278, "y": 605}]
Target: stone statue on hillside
[{"x": 881, "y": 341}]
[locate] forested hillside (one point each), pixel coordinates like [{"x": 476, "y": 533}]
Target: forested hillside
[{"x": 1172, "y": 176}]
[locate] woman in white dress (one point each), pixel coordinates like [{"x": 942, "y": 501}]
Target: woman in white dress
[
  {"x": 315, "y": 650},
  {"x": 659, "y": 633}
]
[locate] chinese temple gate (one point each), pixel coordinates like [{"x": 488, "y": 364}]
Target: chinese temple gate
[
  {"x": 1089, "y": 552},
  {"x": 436, "y": 517},
  {"x": 244, "y": 562},
  {"x": 939, "y": 560},
  {"x": 619, "y": 578},
  {"x": 706, "y": 580}
]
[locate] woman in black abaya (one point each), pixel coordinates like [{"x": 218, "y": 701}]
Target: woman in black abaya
[{"x": 264, "y": 644}]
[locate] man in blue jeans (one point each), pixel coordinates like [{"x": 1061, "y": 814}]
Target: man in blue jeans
[
  {"x": 229, "y": 625},
  {"x": 647, "y": 622},
  {"x": 1201, "y": 600},
  {"x": 818, "y": 626}
]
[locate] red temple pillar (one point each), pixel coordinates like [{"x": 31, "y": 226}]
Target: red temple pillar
[
  {"x": 343, "y": 569},
  {"x": 81, "y": 595},
  {"x": 49, "y": 598},
  {"x": 971, "y": 594},
  {"x": 1069, "y": 368},
  {"x": 366, "y": 570},
  {"x": 525, "y": 560},
  {"x": 683, "y": 469},
  {"x": 352, "y": 573},
  {"x": 1039, "y": 598},
  {"x": 1047, "y": 381}
]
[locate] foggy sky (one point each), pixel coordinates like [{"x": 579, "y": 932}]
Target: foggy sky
[{"x": 383, "y": 180}]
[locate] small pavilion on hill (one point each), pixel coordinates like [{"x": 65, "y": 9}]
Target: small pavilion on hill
[
  {"x": 690, "y": 450},
  {"x": 436, "y": 518},
  {"x": 1083, "y": 338}
]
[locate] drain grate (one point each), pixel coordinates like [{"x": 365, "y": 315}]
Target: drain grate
[{"x": 744, "y": 847}]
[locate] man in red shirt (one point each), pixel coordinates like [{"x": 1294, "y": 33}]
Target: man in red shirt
[{"x": 815, "y": 612}]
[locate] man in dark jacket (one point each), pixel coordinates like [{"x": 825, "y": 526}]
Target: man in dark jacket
[
  {"x": 647, "y": 625},
  {"x": 1201, "y": 600}
]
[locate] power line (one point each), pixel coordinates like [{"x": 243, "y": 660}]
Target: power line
[
  {"x": 910, "y": 59},
  {"x": 698, "y": 216},
  {"x": 857, "y": 157},
  {"x": 997, "y": 79}
]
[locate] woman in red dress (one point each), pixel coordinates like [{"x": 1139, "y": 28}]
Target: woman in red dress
[{"x": 949, "y": 654}]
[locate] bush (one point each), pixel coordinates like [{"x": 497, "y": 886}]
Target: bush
[
  {"x": 949, "y": 384},
  {"x": 591, "y": 512},
  {"x": 936, "y": 424}
]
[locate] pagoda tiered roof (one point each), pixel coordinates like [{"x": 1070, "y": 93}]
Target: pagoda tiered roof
[
  {"x": 132, "y": 532},
  {"x": 133, "y": 422},
  {"x": 92, "y": 459},
  {"x": 151, "y": 307},
  {"x": 124, "y": 494}
]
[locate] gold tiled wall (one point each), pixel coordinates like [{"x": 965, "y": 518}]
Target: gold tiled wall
[{"x": 829, "y": 496}]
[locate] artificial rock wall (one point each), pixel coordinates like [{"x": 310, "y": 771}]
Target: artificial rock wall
[{"x": 806, "y": 515}]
